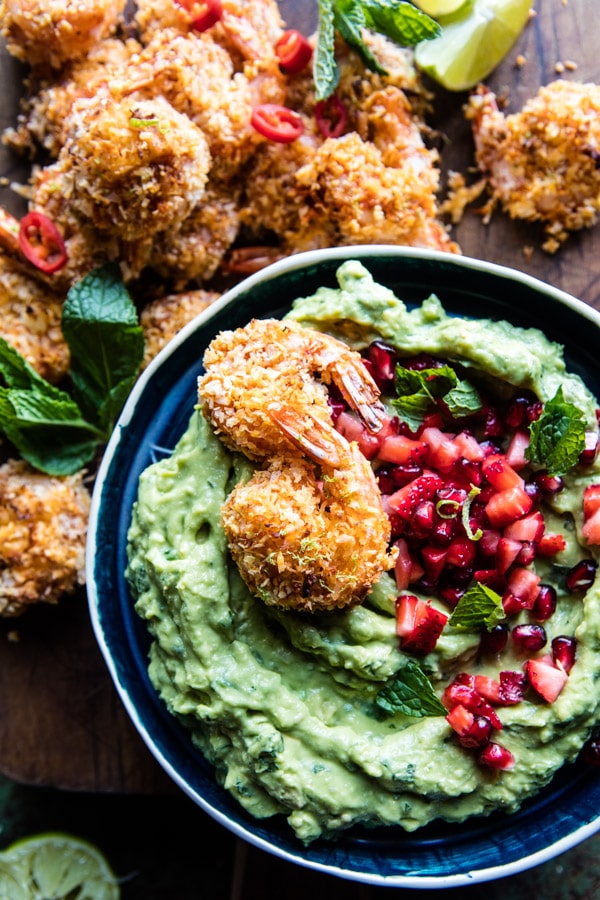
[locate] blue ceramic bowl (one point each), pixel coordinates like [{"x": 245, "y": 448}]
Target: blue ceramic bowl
[{"x": 156, "y": 415}]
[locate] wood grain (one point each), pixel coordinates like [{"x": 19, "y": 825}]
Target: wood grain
[{"x": 61, "y": 722}]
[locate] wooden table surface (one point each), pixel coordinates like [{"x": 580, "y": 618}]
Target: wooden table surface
[{"x": 61, "y": 722}]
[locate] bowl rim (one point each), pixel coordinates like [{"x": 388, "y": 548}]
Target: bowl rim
[{"x": 286, "y": 266}]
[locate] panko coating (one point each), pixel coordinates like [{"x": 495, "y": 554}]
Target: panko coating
[
  {"x": 130, "y": 168},
  {"x": 52, "y": 32},
  {"x": 30, "y": 314},
  {"x": 43, "y": 525},
  {"x": 162, "y": 318},
  {"x": 308, "y": 537},
  {"x": 542, "y": 163}
]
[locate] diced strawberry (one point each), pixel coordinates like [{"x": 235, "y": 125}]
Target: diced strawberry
[
  {"x": 515, "y": 452},
  {"x": 496, "y": 757},
  {"x": 590, "y": 451},
  {"x": 524, "y": 584},
  {"x": 402, "y": 450},
  {"x": 461, "y": 553},
  {"x": 527, "y": 528},
  {"x": 489, "y": 689},
  {"x": 403, "y": 566},
  {"x": 405, "y": 500},
  {"x": 463, "y": 695},
  {"x": 468, "y": 446},
  {"x": 545, "y": 677},
  {"x": 353, "y": 429},
  {"x": 507, "y": 552},
  {"x": 443, "y": 452},
  {"x": 472, "y": 730},
  {"x": 506, "y": 505},
  {"x": 591, "y": 500},
  {"x": 418, "y": 624},
  {"x": 499, "y": 474},
  {"x": 551, "y": 544},
  {"x": 488, "y": 542},
  {"x": 512, "y": 687},
  {"x": 434, "y": 560}
]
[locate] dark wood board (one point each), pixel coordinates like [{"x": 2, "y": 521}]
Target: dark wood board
[{"x": 61, "y": 722}]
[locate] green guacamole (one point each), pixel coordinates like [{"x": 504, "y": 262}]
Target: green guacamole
[{"x": 283, "y": 703}]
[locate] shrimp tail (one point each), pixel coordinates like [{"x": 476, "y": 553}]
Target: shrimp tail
[
  {"x": 322, "y": 443},
  {"x": 360, "y": 392}
]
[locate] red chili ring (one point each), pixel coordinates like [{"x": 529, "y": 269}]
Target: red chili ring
[
  {"x": 277, "y": 123},
  {"x": 41, "y": 242},
  {"x": 331, "y": 116},
  {"x": 293, "y": 51},
  {"x": 204, "y": 13}
]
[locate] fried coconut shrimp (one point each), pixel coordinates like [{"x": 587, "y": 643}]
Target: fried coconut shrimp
[
  {"x": 43, "y": 523},
  {"x": 162, "y": 318},
  {"x": 541, "y": 164},
  {"x": 51, "y": 32},
  {"x": 30, "y": 314},
  {"x": 308, "y": 530}
]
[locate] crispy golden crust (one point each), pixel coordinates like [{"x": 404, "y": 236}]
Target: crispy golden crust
[
  {"x": 163, "y": 318},
  {"x": 30, "y": 321},
  {"x": 51, "y": 32},
  {"x": 43, "y": 523},
  {"x": 542, "y": 164}
]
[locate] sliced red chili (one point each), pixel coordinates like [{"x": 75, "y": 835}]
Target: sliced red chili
[
  {"x": 331, "y": 116},
  {"x": 293, "y": 51},
  {"x": 204, "y": 13},
  {"x": 277, "y": 123},
  {"x": 41, "y": 242}
]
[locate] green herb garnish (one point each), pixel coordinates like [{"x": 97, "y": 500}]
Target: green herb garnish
[
  {"x": 418, "y": 390},
  {"x": 59, "y": 432},
  {"x": 410, "y": 692},
  {"x": 479, "y": 607},
  {"x": 557, "y": 438},
  {"x": 398, "y": 20}
]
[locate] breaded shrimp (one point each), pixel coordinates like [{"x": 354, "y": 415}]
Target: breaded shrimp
[
  {"x": 52, "y": 32},
  {"x": 162, "y": 318},
  {"x": 43, "y": 523},
  {"x": 306, "y": 536},
  {"x": 272, "y": 363},
  {"x": 30, "y": 314},
  {"x": 542, "y": 164}
]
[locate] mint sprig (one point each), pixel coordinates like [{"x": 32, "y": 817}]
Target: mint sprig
[
  {"x": 557, "y": 438},
  {"x": 410, "y": 692},
  {"x": 57, "y": 431},
  {"x": 418, "y": 390},
  {"x": 398, "y": 20},
  {"x": 479, "y": 607}
]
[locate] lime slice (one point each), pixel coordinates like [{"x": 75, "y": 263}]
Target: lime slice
[
  {"x": 55, "y": 867},
  {"x": 474, "y": 40},
  {"x": 437, "y": 8}
]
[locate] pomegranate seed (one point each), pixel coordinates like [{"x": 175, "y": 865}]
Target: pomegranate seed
[
  {"x": 423, "y": 519},
  {"x": 549, "y": 484},
  {"x": 493, "y": 424},
  {"x": 494, "y": 641},
  {"x": 445, "y": 531},
  {"x": 517, "y": 412},
  {"x": 337, "y": 407},
  {"x": 383, "y": 360},
  {"x": 496, "y": 757},
  {"x": 581, "y": 576},
  {"x": 536, "y": 408},
  {"x": 564, "y": 651},
  {"x": 529, "y": 637},
  {"x": 422, "y": 361},
  {"x": 590, "y": 452},
  {"x": 477, "y": 735},
  {"x": 512, "y": 605},
  {"x": 526, "y": 554},
  {"x": 533, "y": 491},
  {"x": 544, "y": 604},
  {"x": 467, "y": 471},
  {"x": 591, "y": 751}
]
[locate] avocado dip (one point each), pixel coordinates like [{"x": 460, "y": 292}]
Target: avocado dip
[{"x": 283, "y": 703}]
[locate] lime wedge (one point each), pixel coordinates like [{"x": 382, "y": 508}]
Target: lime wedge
[
  {"x": 474, "y": 40},
  {"x": 436, "y": 8},
  {"x": 55, "y": 866}
]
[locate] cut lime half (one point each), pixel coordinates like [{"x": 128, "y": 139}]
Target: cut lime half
[
  {"x": 474, "y": 40},
  {"x": 55, "y": 866}
]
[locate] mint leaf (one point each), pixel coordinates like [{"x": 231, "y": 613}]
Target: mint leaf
[
  {"x": 419, "y": 389},
  {"x": 557, "y": 437},
  {"x": 411, "y": 693},
  {"x": 325, "y": 70},
  {"x": 480, "y": 607},
  {"x": 350, "y": 21},
  {"x": 100, "y": 325},
  {"x": 402, "y": 22},
  {"x": 463, "y": 400}
]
